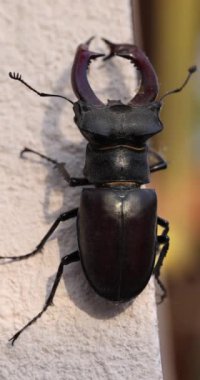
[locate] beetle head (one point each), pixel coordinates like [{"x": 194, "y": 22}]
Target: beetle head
[{"x": 115, "y": 122}]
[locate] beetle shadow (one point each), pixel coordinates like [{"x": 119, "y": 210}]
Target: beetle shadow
[{"x": 73, "y": 154}]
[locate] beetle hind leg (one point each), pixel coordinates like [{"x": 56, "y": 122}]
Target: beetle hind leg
[
  {"x": 165, "y": 242},
  {"x": 73, "y": 257},
  {"x": 162, "y": 240},
  {"x": 62, "y": 218}
]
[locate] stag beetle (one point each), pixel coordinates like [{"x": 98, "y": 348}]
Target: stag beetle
[{"x": 117, "y": 219}]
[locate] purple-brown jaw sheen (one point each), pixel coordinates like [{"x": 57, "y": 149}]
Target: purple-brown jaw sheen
[
  {"x": 79, "y": 79},
  {"x": 149, "y": 83}
]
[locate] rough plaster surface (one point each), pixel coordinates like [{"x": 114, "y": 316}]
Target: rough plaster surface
[{"x": 82, "y": 336}]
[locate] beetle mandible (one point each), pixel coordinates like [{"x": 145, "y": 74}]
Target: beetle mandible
[{"x": 118, "y": 248}]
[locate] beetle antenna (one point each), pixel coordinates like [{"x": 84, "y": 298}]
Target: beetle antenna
[
  {"x": 191, "y": 71},
  {"x": 19, "y": 78}
]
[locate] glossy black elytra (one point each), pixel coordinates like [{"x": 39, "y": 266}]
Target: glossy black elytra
[{"x": 117, "y": 219}]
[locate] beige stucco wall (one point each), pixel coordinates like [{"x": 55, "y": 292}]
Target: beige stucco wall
[{"x": 82, "y": 336}]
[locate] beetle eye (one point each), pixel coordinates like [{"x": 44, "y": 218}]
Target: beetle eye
[
  {"x": 156, "y": 106},
  {"x": 84, "y": 108}
]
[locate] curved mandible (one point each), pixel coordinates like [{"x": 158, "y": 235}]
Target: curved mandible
[
  {"x": 149, "y": 84},
  {"x": 79, "y": 79}
]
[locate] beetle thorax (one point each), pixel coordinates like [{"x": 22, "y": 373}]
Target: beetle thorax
[{"x": 117, "y": 123}]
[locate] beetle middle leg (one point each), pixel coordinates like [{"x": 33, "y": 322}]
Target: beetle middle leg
[
  {"x": 162, "y": 240},
  {"x": 73, "y": 257},
  {"x": 62, "y": 218},
  {"x": 60, "y": 166},
  {"x": 160, "y": 163}
]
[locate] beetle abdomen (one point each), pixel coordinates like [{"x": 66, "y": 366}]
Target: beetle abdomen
[{"x": 117, "y": 237}]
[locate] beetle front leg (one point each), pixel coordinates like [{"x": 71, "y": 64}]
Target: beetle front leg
[
  {"x": 60, "y": 166},
  {"x": 62, "y": 218},
  {"x": 162, "y": 240},
  {"x": 65, "y": 261}
]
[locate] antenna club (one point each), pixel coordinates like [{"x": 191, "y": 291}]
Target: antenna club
[{"x": 192, "y": 69}]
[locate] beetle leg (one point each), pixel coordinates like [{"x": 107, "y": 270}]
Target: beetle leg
[
  {"x": 163, "y": 223},
  {"x": 162, "y": 254},
  {"x": 163, "y": 240},
  {"x": 60, "y": 166},
  {"x": 65, "y": 261},
  {"x": 62, "y": 218},
  {"x": 160, "y": 164}
]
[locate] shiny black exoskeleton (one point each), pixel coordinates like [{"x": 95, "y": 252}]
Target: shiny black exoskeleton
[{"x": 117, "y": 219}]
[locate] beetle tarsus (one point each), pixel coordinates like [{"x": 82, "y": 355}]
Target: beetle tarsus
[
  {"x": 62, "y": 218},
  {"x": 14, "y": 337},
  {"x": 162, "y": 240},
  {"x": 163, "y": 295},
  {"x": 22, "y": 257},
  {"x": 28, "y": 150},
  {"x": 73, "y": 257}
]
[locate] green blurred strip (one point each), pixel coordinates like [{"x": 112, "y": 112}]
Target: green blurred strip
[{"x": 170, "y": 34}]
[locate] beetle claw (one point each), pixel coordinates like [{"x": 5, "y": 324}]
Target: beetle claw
[{"x": 13, "y": 339}]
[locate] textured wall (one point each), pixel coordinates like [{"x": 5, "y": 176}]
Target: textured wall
[{"x": 82, "y": 336}]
